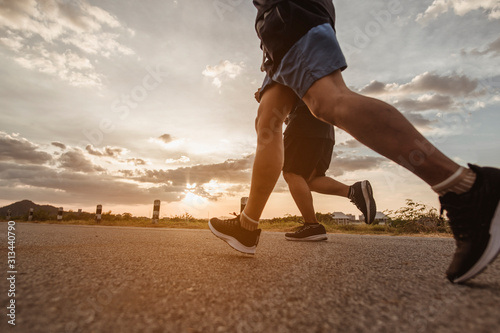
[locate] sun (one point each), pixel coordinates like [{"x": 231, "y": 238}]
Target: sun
[
  {"x": 214, "y": 188},
  {"x": 191, "y": 199}
]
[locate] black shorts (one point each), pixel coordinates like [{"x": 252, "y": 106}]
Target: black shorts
[{"x": 305, "y": 155}]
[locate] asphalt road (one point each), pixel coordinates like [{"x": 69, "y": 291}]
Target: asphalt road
[{"x": 116, "y": 279}]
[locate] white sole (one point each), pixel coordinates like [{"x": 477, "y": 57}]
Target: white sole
[
  {"x": 314, "y": 238},
  {"x": 491, "y": 251},
  {"x": 366, "y": 195},
  {"x": 233, "y": 242}
]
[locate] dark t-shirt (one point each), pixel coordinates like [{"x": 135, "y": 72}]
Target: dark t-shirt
[
  {"x": 285, "y": 22},
  {"x": 264, "y": 5},
  {"x": 301, "y": 123}
]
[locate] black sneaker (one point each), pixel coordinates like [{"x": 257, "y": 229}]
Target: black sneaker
[
  {"x": 475, "y": 222},
  {"x": 232, "y": 233},
  {"x": 308, "y": 232},
  {"x": 361, "y": 194}
]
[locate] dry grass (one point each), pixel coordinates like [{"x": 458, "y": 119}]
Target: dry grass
[{"x": 281, "y": 226}]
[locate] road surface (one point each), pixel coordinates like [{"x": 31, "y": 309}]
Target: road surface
[{"x": 119, "y": 279}]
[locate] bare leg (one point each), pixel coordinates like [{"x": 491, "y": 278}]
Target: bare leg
[
  {"x": 379, "y": 126},
  {"x": 327, "y": 185},
  {"x": 275, "y": 105},
  {"x": 301, "y": 195}
]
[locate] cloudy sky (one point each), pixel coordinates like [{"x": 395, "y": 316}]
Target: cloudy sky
[{"x": 120, "y": 103}]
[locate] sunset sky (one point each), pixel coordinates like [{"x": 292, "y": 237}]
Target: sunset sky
[{"x": 120, "y": 103}]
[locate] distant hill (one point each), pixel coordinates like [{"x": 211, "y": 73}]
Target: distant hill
[{"x": 22, "y": 208}]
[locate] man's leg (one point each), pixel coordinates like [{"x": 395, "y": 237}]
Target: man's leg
[
  {"x": 470, "y": 196},
  {"x": 301, "y": 195},
  {"x": 360, "y": 194},
  {"x": 312, "y": 230},
  {"x": 327, "y": 185},
  {"x": 242, "y": 233},
  {"x": 276, "y": 104},
  {"x": 379, "y": 126}
]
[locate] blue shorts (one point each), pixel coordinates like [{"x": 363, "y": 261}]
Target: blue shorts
[{"x": 315, "y": 55}]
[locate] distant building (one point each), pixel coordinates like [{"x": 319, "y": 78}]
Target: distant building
[
  {"x": 341, "y": 218},
  {"x": 379, "y": 217}
]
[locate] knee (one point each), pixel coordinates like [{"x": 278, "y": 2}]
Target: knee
[
  {"x": 269, "y": 128},
  {"x": 270, "y": 119}
]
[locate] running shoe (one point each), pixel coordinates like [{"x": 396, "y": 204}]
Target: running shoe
[
  {"x": 361, "y": 194},
  {"x": 308, "y": 232},
  {"x": 234, "y": 235},
  {"x": 474, "y": 219}
]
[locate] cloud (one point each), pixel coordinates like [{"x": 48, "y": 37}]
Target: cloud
[
  {"x": 492, "y": 49},
  {"x": 350, "y": 144},
  {"x": 20, "y": 150},
  {"x": 52, "y": 19},
  {"x": 168, "y": 141},
  {"x": 75, "y": 160},
  {"x": 426, "y": 102},
  {"x": 166, "y": 138},
  {"x": 417, "y": 119},
  {"x": 374, "y": 88},
  {"x": 14, "y": 42},
  {"x": 104, "y": 44},
  {"x": 182, "y": 159},
  {"x": 65, "y": 186},
  {"x": 230, "y": 171},
  {"x": 59, "y": 145},
  {"x": 68, "y": 66},
  {"x": 225, "y": 69},
  {"x": 349, "y": 163},
  {"x": 47, "y": 36},
  {"x": 460, "y": 7},
  {"x": 76, "y": 181},
  {"x": 453, "y": 84},
  {"x": 74, "y": 178},
  {"x": 114, "y": 152},
  {"x": 136, "y": 161}
]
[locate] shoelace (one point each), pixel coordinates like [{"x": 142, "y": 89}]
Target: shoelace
[
  {"x": 304, "y": 227},
  {"x": 233, "y": 222}
]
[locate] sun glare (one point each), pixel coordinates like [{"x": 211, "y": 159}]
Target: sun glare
[
  {"x": 213, "y": 187},
  {"x": 194, "y": 200}
]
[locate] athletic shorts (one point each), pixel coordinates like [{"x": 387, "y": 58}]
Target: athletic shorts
[
  {"x": 315, "y": 55},
  {"x": 304, "y": 155}
]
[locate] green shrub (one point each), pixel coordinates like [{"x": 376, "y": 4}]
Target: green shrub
[{"x": 415, "y": 218}]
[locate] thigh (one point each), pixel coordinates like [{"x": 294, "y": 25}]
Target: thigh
[
  {"x": 276, "y": 103},
  {"x": 326, "y": 91},
  {"x": 329, "y": 84},
  {"x": 313, "y": 57}
]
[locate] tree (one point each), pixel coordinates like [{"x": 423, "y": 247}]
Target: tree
[{"x": 418, "y": 217}]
